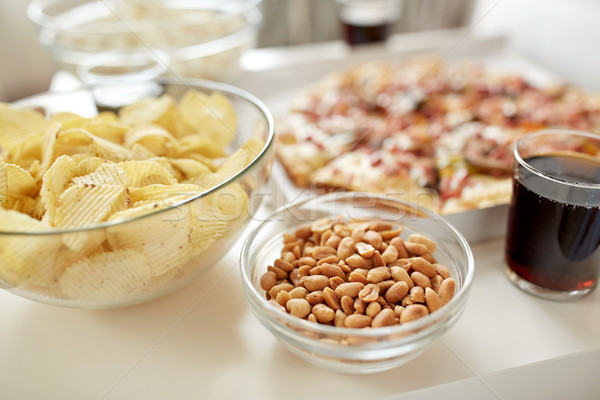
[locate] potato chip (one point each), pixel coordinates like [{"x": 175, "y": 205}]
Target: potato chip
[
  {"x": 106, "y": 174},
  {"x": 210, "y": 116},
  {"x": 199, "y": 144},
  {"x": 254, "y": 147},
  {"x": 19, "y": 181},
  {"x": 27, "y": 258},
  {"x": 68, "y": 120},
  {"x": 106, "y": 276},
  {"x": 3, "y": 180},
  {"x": 234, "y": 164},
  {"x": 189, "y": 168},
  {"x": 54, "y": 183},
  {"x": 143, "y": 173},
  {"x": 161, "y": 111},
  {"x": 166, "y": 193},
  {"x": 113, "y": 131},
  {"x": 27, "y": 152},
  {"x": 86, "y": 164},
  {"x": 18, "y": 124},
  {"x": 153, "y": 137},
  {"x": 139, "y": 152},
  {"x": 163, "y": 238},
  {"x": 82, "y": 205}
]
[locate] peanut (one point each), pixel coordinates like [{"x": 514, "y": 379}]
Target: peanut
[
  {"x": 321, "y": 225},
  {"x": 380, "y": 226},
  {"x": 416, "y": 249},
  {"x": 320, "y": 252},
  {"x": 298, "y": 292},
  {"x": 446, "y": 291},
  {"x": 331, "y": 299},
  {"x": 357, "y": 321},
  {"x": 279, "y": 274},
  {"x": 378, "y": 274},
  {"x": 339, "y": 318},
  {"x": 413, "y": 312},
  {"x": 335, "y": 282},
  {"x": 347, "y": 305},
  {"x": 298, "y": 307},
  {"x": 377, "y": 260},
  {"x": 420, "y": 279},
  {"x": 364, "y": 249},
  {"x": 417, "y": 294},
  {"x": 442, "y": 270},
  {"x": 436, "y": 281},
  {"x": 390, "y": 255},
  {"x": 369, "y": 293},
  {"x": 423, "y": 266},
  {"x": 332, "y": 270},
  {"x": 316, "y": 282},
  {"x": 356, "y": 261},
  {"x": 315, "y": 297},
  {"x": 373, "y": 238},
  {"x": 359, "y": 306},
  {"x": 400, "y": 274},
  {"x": 311, "y": 262},
  {"x": 395, "y": 293},
  {"x": 278, "y": 288},
  {"x": 322, "y": 313},
  {"x": 418, "y": 238},
  {"x": 385, "y": 317},
  {"x": 303, "y": 232},
  {"x": 398, "y": 243},
  {"x": 283, "y": 297},
  {"x": 350, "y": 289},
  {"x": 268, "y": 280},
  {"x": 432, "y": 300},
  {"x": 373, "y": 309},
  {"x": 357, "y": 277},
  {"x": 345, "y": 248}
]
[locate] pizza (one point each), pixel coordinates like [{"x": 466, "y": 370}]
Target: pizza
[{"x": 438, "y": 134}]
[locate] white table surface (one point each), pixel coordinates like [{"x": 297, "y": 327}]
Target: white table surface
[{"x": 203, "y": 342}]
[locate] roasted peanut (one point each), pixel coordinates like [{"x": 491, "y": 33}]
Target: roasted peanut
[
  {"x": 303, "y": 232},
  {"x": 385, "y": 285},
  {"x": 277, "y": 305},
  {"x": 315, "y": 270},
  {"x": 398, "y": 311},
  {"x": 418, "y": 238},
  {"x": 298, "y": 307},
  {"x": 268, "y": 280},
  {"x": 413, "y": 312},
  {"x": 331, "y": 299},
  {"x": 316, "y": 282},
  {"x": 332, "y": 270},
  {"x": 377, "y": 260},
  {"x": 442, "y": 270},
  {"x": 356, "y": 261},
  {"x": 281, "y": 275},
  {"x": 369, "y": 293},
  {"x": 398, "y": 243},
  {"x": 357, "y": 321},
  {"x": 436, "y": 281},
  {"x": 294, "y": 277},
  {"x": 357, "y": 234},
  {"x": 315, "y": 297},
  {"x": 395, "y": 293},
  {"x": 288, "y": 238},
  {"x": 378, "y": 274},
  {"x": 288, "y": 256},
  {"x": 446, "y": 291},
  {"x": 373, "y": 309},
  {"x": 339, "y": 318},
  {"x": 333, "y": 241},
  {"x": 323, "y": 313},
  {"x": 346, "y": 248},
  {"x": 416, "y": 249},
  {"x": 400, "y": 274},
  {"x": 283, "y": 265},
  {"x": 335, "y": 282},
  {"x": 320, "y": 252},
  {"x": 364, "y": 249},
  {"x": 329, "y": 260},
  {"x": 325, "y": 236},
  {"x": 417, "y": 294},
  {"x": 283, "y": 297},
  {"x": 357, "y": 277},
  {"x": 420, "y": 279},
  {"x": 311, "y": 262},
  {"x": 373, "y": 238},
  {"x": 279, "y": 287},
  {"x": 380, "y": 226},
  {"x": 385, "y": 317},
  {"x": 359, "y": 306},
  {"x": 390, "y": 234},
  {"x": 423, "y": 266},
  {"x": 298, "y": 293},
  {"x": 347, "y": 304},
  {"x": 432, "y": 300},
  {"x": 350, "y": 289},
  {"x": 321, "y": 225},
  {"x": 390, "y": 255}
]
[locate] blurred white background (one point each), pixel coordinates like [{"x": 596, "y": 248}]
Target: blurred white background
[{"x": 561, "y": 35}]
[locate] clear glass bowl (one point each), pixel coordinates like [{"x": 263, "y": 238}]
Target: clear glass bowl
[
  {"x": 195, "y": 38},
  {"x": 160, "y": 251},
  {"x": 355, "y": 350}
]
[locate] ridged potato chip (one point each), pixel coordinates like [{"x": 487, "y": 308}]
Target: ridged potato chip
[
  {"x": 153, "y": 137},
  {"x": 18, "y": 124},
  {"x": 169, "y": 194},
  {"x": 106, "y": 276},
  {"x": 20, "y": 182},
  {"x": 211, "y": 116},
  {"x": 160, "y": 111},
  {"x": 143, "y": 173},
  {"x": 163, "y": 238},
  {"x": 27, "y": 258},
  {"x": 3, "y": 181},
  {"x": 105, "y": 174}
]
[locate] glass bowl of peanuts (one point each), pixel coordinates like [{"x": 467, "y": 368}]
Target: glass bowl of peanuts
[
  {"x": 129, "y": 204},
  {"x": 354, "y": 282}
]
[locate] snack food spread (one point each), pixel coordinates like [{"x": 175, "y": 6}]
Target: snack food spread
[{"x": 437, "y": 134}]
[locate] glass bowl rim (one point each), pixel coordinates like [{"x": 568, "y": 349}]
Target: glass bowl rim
[
  {"x": 36, "y": 12},
  {"x": 191, "y": 83},
  {"x": 553, "y": 132},
  {"x": 429, "y": 320}
]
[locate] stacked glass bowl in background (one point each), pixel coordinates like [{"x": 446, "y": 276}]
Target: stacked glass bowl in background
[{"x": 193, "y": 38}]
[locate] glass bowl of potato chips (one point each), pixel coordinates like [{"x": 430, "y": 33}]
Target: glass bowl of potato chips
[
  {"x": 201, "y": 38},
  {"x": 132, "y": 203}
]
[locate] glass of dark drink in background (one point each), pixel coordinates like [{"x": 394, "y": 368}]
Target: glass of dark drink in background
[
  {"x": 368, "y": 21},
  {"x": 553, "y": 235}
]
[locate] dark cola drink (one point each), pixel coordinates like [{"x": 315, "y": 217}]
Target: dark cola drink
[
  {"x": 554, "y": 225},
  {"x": 361, "y": 34},
  {"x": 368, "y": 21}
]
